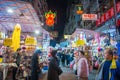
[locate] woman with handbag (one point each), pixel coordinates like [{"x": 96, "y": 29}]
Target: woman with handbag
[
  {"x": 54, "y": 70},
  {"x": 82, "y": 69}
]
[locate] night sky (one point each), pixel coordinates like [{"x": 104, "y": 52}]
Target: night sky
[{"x": 59, "y": 6}]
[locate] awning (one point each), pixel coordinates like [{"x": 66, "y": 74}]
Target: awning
[{"x": 23, "y": 13}]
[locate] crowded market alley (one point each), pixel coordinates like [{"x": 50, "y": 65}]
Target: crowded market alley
[{"x": 59, "y": 39}]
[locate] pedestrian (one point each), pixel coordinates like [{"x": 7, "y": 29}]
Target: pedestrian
[
  {"x": 35, "y": 69},
  {"x": 63, "y": 58},
  {"x": 59, "y": 56},
  {"x": 68, "y": 58},
  {"x": 110, "y": 68},
  {"x": 17, "y": 59},
  {"x": 54, "y": 70},
  {"x": 82, "y": 69}
]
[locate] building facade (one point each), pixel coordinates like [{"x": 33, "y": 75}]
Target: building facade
[
  {"x": 99, "y": 7},
  {"x": 41, "y": 7}
]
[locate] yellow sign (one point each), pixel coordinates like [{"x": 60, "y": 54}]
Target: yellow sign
[
  {"x": 7, "y": 42},
  {"x": 30, "y": 41},
  {"x": 80, "y": 42},
  {"x": 1, "y": 60}
]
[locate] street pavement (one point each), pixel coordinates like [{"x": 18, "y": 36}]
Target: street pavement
[
  {"x": 92, "y": 75},
  {"x": 68, "y": 74}
]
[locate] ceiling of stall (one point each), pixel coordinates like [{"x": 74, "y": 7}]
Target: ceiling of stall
[{"x": 13, "y": 12}]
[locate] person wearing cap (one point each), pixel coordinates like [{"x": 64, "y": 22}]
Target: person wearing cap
[
  {"x": 54, "y": 70},
  {"x": 35, "y": 69},
  {"x": 24, "y": 51},
  {"x": 17, "y": 60},
  {"x": 17, "y": 56}
]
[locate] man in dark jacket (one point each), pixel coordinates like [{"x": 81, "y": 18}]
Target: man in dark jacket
[
  {"x": 54, "y": 70},
  {"x": 17, "y": 60},
  {"x": 35, "y": 69}
]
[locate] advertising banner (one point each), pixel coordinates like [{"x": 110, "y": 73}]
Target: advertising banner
[
  {"x": 30, "y": 41},
  {"x": 108, "y": 15},
  {"x": 89, "y": 16},
  {"x": 7, "y": 42}
]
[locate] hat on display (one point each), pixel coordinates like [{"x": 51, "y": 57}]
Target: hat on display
[{"x": 23, "y": 47}]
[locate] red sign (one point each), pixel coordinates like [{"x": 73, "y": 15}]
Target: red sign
[
  {"x": 105, "y": 17},
  {"x": 102, "y": 19},
  {"x": 109, "y": 14},
  {"x": 118, "y": 22},
  {"x": 118, "y": 7},
  {"x": 98, "y": 22},
  {"x": 89, "y": 16}
]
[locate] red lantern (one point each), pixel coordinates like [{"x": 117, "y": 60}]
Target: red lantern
[
  {"x": 50, "y": 16},
  {"x": 50, "y": 22}
]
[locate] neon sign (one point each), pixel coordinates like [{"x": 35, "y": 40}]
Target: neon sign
[{"x": 50, "y": 18}]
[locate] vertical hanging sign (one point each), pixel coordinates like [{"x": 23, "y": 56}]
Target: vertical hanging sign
[{"x": 79, "y": 9}]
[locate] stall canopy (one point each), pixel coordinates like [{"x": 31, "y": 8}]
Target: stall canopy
[
  {"x": 15, "y": 11},
  {"x": 88, "y": 33}
]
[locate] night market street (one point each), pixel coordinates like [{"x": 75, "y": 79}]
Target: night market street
[
  {"x": 59, "y": 39},
  {"x": 68, "y": 74}
]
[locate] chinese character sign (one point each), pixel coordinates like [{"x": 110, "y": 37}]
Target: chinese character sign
[{"x": 50, "y": 18}]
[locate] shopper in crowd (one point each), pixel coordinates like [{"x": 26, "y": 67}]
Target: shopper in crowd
[
  {"x": 54, "y": 70},
  {"x": 35, "y": 68},
  {"x": 67, "y": 58},
  {"x": 24, "y": 53},
  {"x": 109, "y": 69},
  {"x": 59, "y": 56},
  {"x": 72, "y": 55},
  {"x": 26, "y": 62},
  {"x": 76, "y": 59},
  {"x": 82, "y": 69},
  {"x": 63, "y": 58},
  {"x": 7, "y": 56},
  {"x": 18, "y": 56},
  {"x": 17, "y": 60}
]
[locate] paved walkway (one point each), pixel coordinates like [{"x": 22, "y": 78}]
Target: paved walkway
[
  {"x": 68, "y": 74},
  {"x": 92, "y": 75}
]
